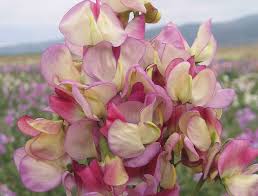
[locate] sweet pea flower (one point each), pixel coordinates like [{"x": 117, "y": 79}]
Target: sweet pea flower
[
  {"x": 233, "y": 162},
  {"x": 89, "y": 23},
  {"x": 48, "y": 137},
  {"x": 79, "y": 140},
  {"x": 170, "y": 44},
  {"x": 112, "y": 64},
  {"x": 57, "y": 65},
  {"x": 201, "y": 129},
  {"x": 196, "y": 85},
  {"x": 40, "y": 175},
  {"x": 101, "y": 177},
  {"x": 44, "y": 153},
  {"x": 65, "y": 105}
]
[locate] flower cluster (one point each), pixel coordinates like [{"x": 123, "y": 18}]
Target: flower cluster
[{"x": 127, "y": 110}]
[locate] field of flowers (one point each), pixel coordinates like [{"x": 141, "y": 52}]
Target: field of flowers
[{"x": 23, "y": 91}]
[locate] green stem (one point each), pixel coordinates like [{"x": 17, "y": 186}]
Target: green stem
[
  {"x": 198, "y": 187},
  {"x": 104, "y": 149}
]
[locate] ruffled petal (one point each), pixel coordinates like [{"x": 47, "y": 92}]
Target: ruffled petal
[
  {"x": 131, "y": 53},
  {"x": 169, "y": 54},
  {"x": 110, "y": 26},
  {"x": 25, "y": 128},
  {"x": 235, "y": 157},
  {"x": 137, "y": 75},
  {"x": 39, "y": 176},
  {"x": 135, "y": 5},
  {"x": 79, "y": 143},
  {"x": 76, "y": 50},
  {"x": 68, "y": 182},
  {"x": 124, "y": 139},
  {"x": 240, "y": 185},
  {"x": 171, "y": 35},
  {"x": 204, "y": 85},
  {"x": 114, "y": 172},
  {"x": 102, "y": 57},
  {"x": 185, "y": 118},
  {"x": 18, "y": 155},
  {"x": 190, "y": 150},
  {"x": 143, "y": 159},
  {"x": 131, "y": 111},
  {"x": 204, "y": 46},
  {"x": 81, "y": 27},
  {"x": 221, "y": 98},
  {"x": 68, "y": 109},
  {"x": 198, "y": 133},
  {"x": 48, "y": 146},
  {"x": 149, "y": 132},
  {"x": 136, "y": 28},
  {"x": 179, "y": 83},
  {"x": 167, "y": 172},
  {"x": 57, "y": 65},
  {"x": 33, "y": 127},
  {"x": 171, "y": 143}
]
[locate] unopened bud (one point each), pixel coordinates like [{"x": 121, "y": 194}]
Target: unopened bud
[{"x": 152, "y": 15}]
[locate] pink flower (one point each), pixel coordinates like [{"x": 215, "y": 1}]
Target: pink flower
[{"x": 233, "y": 163}]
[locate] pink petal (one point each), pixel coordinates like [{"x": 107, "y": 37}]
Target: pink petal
[
  {"x": 32, "y": 127},
  {"x": 47, "y": 146},
  {"x": 190, "y": 150},
  {"x": 172, "y": 65},
  {"x": 39, "y": 176},
  {"x": 114, "y": 172},
  {"x": 76, "y": 50},
  {"x": 222, "y": 98},
  {"x": 68, "y": 182},
  {"x": 204, "y": 46},
  {"x": 110, "y": 26},
  {"x": 132, "y": 50},
  {"x": 18, "y": 155},
  {"x": 171, "y": 35},
  {"x": 101, "y": 56},
  {"x": 57, "y": 65},
  {"x": 170, "y": 53},
  {"x": 92, "y": 177},
  {"x": 235, "y": 157},
  {"x": 240, "y": 184},
  {"x": 204, "y": 85},
  {"x": 140, "y": 76},
  {"x": 25, "y": 128},
  {"x": 79, "y": 143},
  {"x": 136, "y": 5},
  {"x": 131, "y": 111},
  {"x": 171, "y": 143},
  {"x": 124, "y": 140},
  {"x": 103, "y": 23},
  {"x": 198, "y": 133},
  {"x": 83, "y": 103},
  {"x": 136, "y": 28},
  {"x": 143, "y": 159},
  {"x": 67, "y": 109}
]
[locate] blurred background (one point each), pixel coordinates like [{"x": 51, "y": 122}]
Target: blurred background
[{"x": 28, "y": 27}]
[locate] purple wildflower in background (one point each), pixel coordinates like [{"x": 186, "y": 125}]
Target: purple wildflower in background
[
  {"x": 245, "y": 116},
  {"x": 9, "y": 118},
  {"x": 5, "y": 191},
  {"x": 250, "y": 135},
  {"x": 4, "y": 139}
]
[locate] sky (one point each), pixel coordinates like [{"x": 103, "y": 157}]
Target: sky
[{"x": 23, "y": 21}]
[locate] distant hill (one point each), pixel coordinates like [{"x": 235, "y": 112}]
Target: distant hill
[{"x": 242, "y": 31}]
